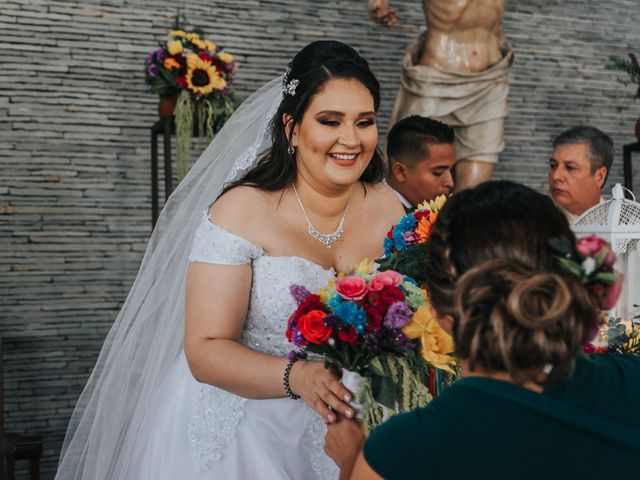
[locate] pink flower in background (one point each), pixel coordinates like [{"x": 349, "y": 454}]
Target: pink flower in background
[
  {"x": 590, "y": 245},
  {"x": 609, "y": 260},
  {"x": 612, "y": 293},
  {"x": 351, "y": 287},
  {"x": 380, "y": 280}
]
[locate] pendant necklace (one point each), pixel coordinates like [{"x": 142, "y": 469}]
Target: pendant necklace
[{"x": 325, "y": 238}]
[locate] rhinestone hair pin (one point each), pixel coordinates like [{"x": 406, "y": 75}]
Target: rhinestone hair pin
[{"x": 289, "y": 88}]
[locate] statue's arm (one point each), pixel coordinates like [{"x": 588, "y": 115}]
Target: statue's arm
[{"x": 380, "y": 12}]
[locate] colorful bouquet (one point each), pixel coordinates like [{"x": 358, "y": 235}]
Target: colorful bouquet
[
  {"x": 199, "y": 76},
  {"x": 616, "y": 336},
  {"x": 592, "y": 260},
  {"x": 367, "y": 323},
  {"x": 404, "y": 245}
]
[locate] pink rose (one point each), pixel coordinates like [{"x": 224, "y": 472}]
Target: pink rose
[
  {"x": 351, "y": 287},
  {"x": 609, "y": 260},
  {"x": 590, "y": 245},
  {"x": 612, "y": 293},
  {"x": 380, "y": 280}
]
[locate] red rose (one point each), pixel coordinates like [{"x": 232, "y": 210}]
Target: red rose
[
  {"x": 313, "y": 328},
  {"x": 374, "y": 318},
  {"x": 419, "y": 215},
  {"x": 348, "y": 334},
  {"x": 312, "y": 302},
  {"x": 385, "y": 297}
]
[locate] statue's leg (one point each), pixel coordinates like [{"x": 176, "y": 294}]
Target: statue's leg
[
  {"x": 469, "y": 173},
  {"x": 478, "y": 147}
]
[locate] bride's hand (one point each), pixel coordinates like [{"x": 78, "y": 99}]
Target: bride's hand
[{"x": 321, "y": 389}]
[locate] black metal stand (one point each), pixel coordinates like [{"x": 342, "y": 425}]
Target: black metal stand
[
  {"x": 161, "y": 127},
  {"x": 626, "y": 163}
]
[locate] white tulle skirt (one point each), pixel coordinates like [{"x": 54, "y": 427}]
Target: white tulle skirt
[{"x": 276, "y": 439}]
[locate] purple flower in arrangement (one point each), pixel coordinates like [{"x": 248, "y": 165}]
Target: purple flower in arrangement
[
  {"x": 332, "y": 320},
  {"x": 299, "y": 293},
  {"x": 151, "y": 56},
  {"x": 403, "y": 342},
  {"x": 297, "y": 338},
  {"x": 161, "y": 54},
  {"x": 410, "y": 238},
  {"x": 153, "y": 70},
  {"x": 398, "y": 315}
]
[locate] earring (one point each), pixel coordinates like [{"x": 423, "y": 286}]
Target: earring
[{"x": 291, "y": 150}]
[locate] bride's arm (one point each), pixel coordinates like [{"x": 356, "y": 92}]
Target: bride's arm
[{"x": 216, "y": 305}]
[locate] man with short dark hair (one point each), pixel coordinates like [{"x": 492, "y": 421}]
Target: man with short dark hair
[
  {"x": 578, "y": 168},
  {"x": 421, "y": 155}
]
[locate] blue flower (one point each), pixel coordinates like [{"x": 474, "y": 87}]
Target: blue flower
[
  {"x": 335, "y": 302},
  {"x": 398, "y": 238},
  {"x": 353, "y": 315},
  {"x": 388, "y": 245},
  {"x": 408, "y": 222}
]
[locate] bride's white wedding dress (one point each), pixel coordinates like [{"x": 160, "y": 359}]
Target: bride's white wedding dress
[{"x": 197, "y": 431}]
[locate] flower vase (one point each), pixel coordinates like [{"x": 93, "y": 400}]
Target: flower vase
[
  {"x": 353, "y": 382},
  {"x": 167, "y": 105}
]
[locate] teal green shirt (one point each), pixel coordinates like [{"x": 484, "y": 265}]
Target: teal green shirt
[{"x": 481, "y": 428}]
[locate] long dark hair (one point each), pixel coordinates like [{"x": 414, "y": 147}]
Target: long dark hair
[
  {"x": 312, "y": 66},
  {"x": 491, "y": 268}
]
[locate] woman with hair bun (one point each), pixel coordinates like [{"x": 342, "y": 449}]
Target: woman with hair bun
[{"x": 530, "y": 404}]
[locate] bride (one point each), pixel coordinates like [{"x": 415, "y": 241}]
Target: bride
[{"x": 194, "y": 381}]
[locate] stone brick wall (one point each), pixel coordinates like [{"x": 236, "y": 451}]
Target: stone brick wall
[{"x": 74, "y": 146}]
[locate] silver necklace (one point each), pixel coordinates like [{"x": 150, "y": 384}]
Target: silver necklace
[{"x": 326, "y": 238}]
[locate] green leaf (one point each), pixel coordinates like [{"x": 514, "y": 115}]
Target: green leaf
[
  {"x": 571, "y": 266},
  {"x": 608, "y": 278},
  {"x": 375, "y": 366},
  {"x": 562, "y": 245},
  {"x": 384, "y": 390}
]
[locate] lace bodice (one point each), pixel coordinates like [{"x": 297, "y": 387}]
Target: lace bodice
[
  {"x": 218, "y": 412},
  {"x": 270, "y": 303}
]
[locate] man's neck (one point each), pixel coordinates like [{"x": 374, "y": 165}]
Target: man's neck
[{"x": 400, "y": 193}]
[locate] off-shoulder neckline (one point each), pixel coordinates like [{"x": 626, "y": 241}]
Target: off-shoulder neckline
[{"x": 263, "y": 252}]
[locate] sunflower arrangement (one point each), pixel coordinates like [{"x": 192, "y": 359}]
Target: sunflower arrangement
[{"x": 200, "y": 74}]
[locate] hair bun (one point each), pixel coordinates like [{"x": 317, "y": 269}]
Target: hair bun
[{"x": 539, "y": 301}]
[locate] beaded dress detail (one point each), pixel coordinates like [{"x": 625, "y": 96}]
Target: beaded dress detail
[{"x": 225, "y": 436}]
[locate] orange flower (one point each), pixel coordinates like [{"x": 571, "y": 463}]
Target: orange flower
[
  {"x": 424, "y": 227},
  {"x": 171, "y": 63}
]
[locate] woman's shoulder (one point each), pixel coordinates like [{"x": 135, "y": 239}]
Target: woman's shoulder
[
  {"x": 240, "y": 206},
  {"x": 244, "y": 211}
]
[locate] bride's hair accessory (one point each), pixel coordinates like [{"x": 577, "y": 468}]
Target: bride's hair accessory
[
  {"x": 289, "y": 88},
  {"x": 591, "y": 260},
  {"x": 327, "y": 239}
]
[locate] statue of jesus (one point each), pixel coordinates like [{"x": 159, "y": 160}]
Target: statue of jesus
[{"x": 456, "y": 73}]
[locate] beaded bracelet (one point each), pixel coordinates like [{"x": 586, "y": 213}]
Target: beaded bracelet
[{"x": 293, "y": 357}]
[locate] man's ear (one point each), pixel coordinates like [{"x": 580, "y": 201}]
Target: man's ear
[
  {"x": 399, "y": 171},
  {"x": 600, "y": 175},
  {"x": 289, "y": 129}
]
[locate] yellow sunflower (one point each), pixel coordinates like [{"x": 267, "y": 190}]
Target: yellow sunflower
[
  {"x": 226, "y": 57},
  {"x": 202, "y": 77},
  {"x": 199, "y": 43},
  {"x": 192, "y": 36},
  {"x": 178, "y": 33},
  {"x": 433, "y": 205},
  {"x": 210, "y": 45},
  {"x": 174, "y": 47}
]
